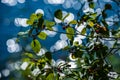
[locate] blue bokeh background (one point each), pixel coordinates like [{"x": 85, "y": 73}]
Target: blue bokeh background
[{"x": 9, "y": 30}]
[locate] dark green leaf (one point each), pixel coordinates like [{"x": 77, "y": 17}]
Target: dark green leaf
[
  {"x": 39, "y": 15},
  {"x": 35, "y": 45},
  {"x": 91, "y": 4},
  {"x": 42, "y": 35},
  {"x": 48, "y": 55},
  {"x": 40, "y": 23},
  {"x": 58, "y": 14}
]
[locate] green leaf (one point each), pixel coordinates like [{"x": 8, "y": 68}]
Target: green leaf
[
  {"x": 58, "y": 14},
  {"x": 49, "y": 23},
  {"x": 50, "y": 76},
  {"x": 83, "y": 31},
  {"x": 41, "y": 63},
  {"x": 33, "y": 17},
  {"x": 93, "y": 16},
  {"x": 73, "y": 22},
  {"x": 42, "y": 35},
  {"x": 40, "y": 23},
  {"x": 117, "y": 34},
  {"x": 48, "y": 55},
  {"x": 30, "y": 55},
  {"x": 35, "y": 45},
  {"x": 39, "y": 15},
  {"x": 29, "y": 22},
  {"x": 90, "y": 23},
  {"x": 91, "y": 5},
  {"x": 70, "y": 32}
]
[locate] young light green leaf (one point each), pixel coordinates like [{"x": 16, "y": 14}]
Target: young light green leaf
[
  {"x": 93, "y": 16},
  {"x": 35, "y": 45},
  {"x": 90, "y": 23},
  {"x": 42, "y": 35},
  {"x": 70, "y": 32},
  {"x": 50, "y": 76},
  {"x": 49, "y": 23},
  {"x": 73, "y": 22},
  {"x": 29, "y": 22},
  {"x": 58, "y": 14},
  {"x": 33, "y": 17},
  {"x": 30, "y": 55}
]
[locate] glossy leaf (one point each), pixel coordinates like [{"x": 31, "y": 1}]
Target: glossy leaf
[
  {"x": 42, "y": 35},
  {"x": 58, "y": 14},
  {"x": 35, "y": 45}
]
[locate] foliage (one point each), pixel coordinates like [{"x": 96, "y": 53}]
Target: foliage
[{"x": 90, "y": 57}]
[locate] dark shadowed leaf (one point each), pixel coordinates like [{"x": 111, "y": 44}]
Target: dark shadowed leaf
[
  {"x": 58, "y": 14},
  {"x": 91, "y": 4},
  {"x": 48, "y": 55}
]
